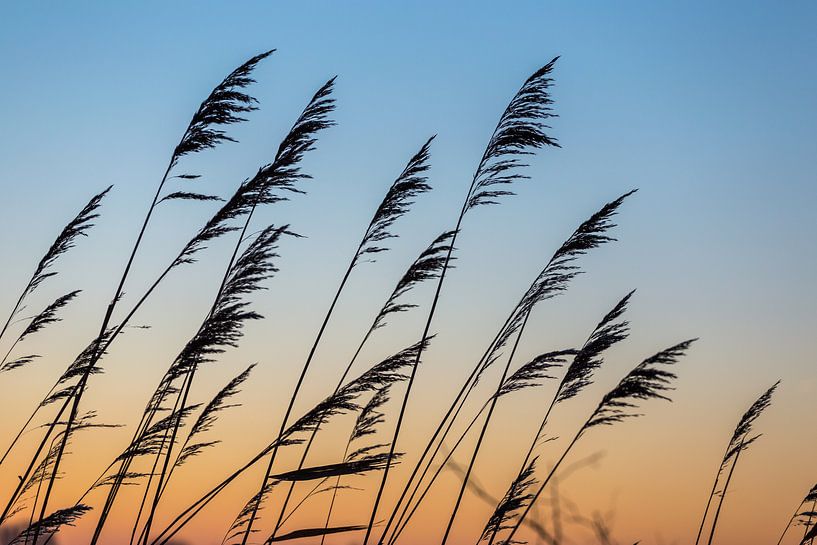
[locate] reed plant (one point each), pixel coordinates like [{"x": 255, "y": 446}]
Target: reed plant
[{"x": 368, "y": 401}]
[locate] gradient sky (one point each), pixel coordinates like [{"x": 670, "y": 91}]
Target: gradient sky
[{"x": 708, "y": 109}]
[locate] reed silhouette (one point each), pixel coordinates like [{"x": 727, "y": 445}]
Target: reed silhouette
[{"x": 173, "y": 428}]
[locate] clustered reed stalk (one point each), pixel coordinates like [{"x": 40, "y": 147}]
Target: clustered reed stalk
[
  {"x": 222, "y": 107},
  {"x": 175, "y": 428},
  {"x": 552, "y": 280},
  {"x": 529, "y": 375},
  {"x": 577, "y": 376},
  {"x": 284, "y": 171},
  {"x": 222, "y": 324},
  {"x": 648, "y": 380},
  {"x": 64, "y": 242},
  {"x": 518, "y": 130},
  {"x": 410, "y": 183},
  {"x": 425, "y": 267}
]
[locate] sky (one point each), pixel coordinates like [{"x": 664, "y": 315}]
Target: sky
[{"x": 706, "y": 108}]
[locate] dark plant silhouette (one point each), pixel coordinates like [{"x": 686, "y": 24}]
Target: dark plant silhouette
[
  {"x": 551, "y": 281},
  {"x": 218, "y": 109},
  {"x": 519, "y": 131},
  {"x": 648, "y": 380},
  {"x": 367, "y": 410},
  {"x": 739, "y": 441},
  {"x": 409, "y": 184},
  {"x": 64, "y": 242}
]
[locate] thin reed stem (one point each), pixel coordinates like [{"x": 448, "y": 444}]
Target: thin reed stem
[
  {"x": 518, "y": 130},
  {"x": 220, "y": 108},
  {"x": 475, "y": 453},
  {"x": 403, "y": 523},
  {"x": 544, "y": 483},
  {"x": 723, "y": 495},
  {"x": 291, "y": 404},
  {"x": 412, "y": 375},
  {"x": 398, "y": 199}
]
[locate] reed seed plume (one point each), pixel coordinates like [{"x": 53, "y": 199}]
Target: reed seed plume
[
  {"x": 303, "y": 135},
  {"x": 209, "y": 415},
  {"x": 272, "y": 181},
  {"x": 371, "y": 415},
  {"x": 251, "y": 508},
  {"x": 358, "y": 466},
  {"x": 397, "y": 202},
  {"x": 535, "y": 371},
  {"x": 43, "y": 469},
  {"x": 223, "y": 326},
  {"x": 520, "y": 129},
  {"x": 84, "y": 363},
  {"x": 746, "y": 423},
  {"x": 66, "y": 240},
  {"x": 427, "y": 266},
  {"x": 607, "y": 333},
  {"x": 164, "y": 390},
  {"x": 129, "y": 478},
  {"x": 315, "y": 532},
  {"x": 153, "y": 440},
  {"x": 648, "y": 380},
  {"x": 739, "y": 442},
  {"x": 18, "y": 362},
  {"x": 516, "y": 498},
  {"x": 591, "y": 234},
  {"x": 385, "y": 373},
  {"x": 52, "y": 523},
  {"x": 48, "y": 315},
  {"x": 189, "y": 196},
  {"x": 224, "y": 106},
  {"x": 365, "y": 450},
  {"x": 248, "y": 195}
]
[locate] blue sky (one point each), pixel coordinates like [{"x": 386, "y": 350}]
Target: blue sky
[{"x": 707, "y": 108}]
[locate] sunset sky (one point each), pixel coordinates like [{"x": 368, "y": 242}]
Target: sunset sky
[{"x": 709, "y": 110}]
